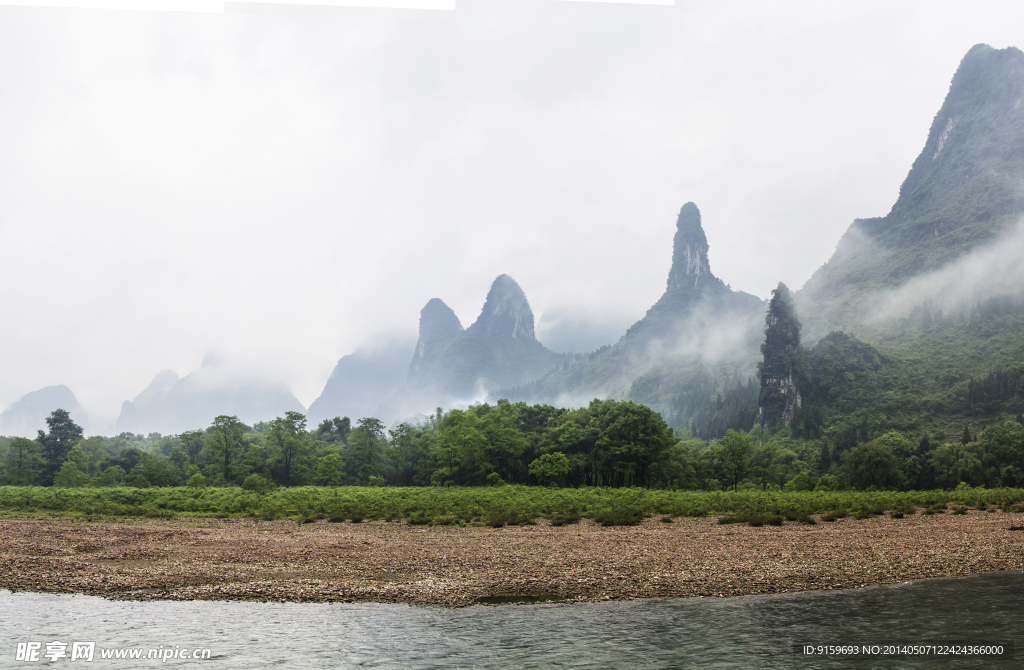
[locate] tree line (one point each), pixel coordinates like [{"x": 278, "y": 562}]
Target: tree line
[{"x": 609, "y": 443}]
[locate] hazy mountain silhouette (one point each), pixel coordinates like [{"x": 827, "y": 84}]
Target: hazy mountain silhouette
[
  {"x": 26, "y": 416},
  {"x": 172, "y": 405}
]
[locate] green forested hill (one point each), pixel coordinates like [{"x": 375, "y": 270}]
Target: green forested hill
[
  {"x": 965, "y": 189},
  {"x": 886, "y": 365}
]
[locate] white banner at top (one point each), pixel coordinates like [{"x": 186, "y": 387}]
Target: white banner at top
[
  {"x": 217, "y": 6},
  {"x": 214, "y": 6}
]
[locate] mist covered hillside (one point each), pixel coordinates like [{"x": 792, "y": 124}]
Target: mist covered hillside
[
  {"x": 699, "y": 332},
  {"x": 499, "y": 349},
  {"x": 963, "y": 193},
  {"x": 28, "y": 414},
  {"x": 934, "y": 290},
  {"x": 171, "y": 405},
  {"x": 364, "y": 380}
]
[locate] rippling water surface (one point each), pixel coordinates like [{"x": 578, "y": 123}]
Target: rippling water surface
[{"x": 739, "y": 632}]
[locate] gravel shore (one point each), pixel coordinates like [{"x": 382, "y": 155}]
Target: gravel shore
[{"x": 213, "y": 559}]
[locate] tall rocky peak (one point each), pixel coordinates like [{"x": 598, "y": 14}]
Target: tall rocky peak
[
  {"x": 964, "y": 190},
  {"x": 780, "y": 394},
  {"x": 690, "y": 268},
  {"x": 506, "y": 313},
  {"x": 986, "y": 94},
  {"x": 438, "y": 327}
]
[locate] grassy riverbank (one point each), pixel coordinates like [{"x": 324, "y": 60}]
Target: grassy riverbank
[{"x": 505, "y": 505}]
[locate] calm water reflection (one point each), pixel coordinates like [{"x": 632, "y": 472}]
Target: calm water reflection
[{"x": 743, "y": 632}]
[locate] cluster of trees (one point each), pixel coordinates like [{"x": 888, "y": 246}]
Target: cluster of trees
[
  {"x": 608, "y": 443},
  {"x": 1002, "y": 389}
]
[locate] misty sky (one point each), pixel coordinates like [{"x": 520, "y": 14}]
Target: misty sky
[{"x": 288, "y": 184}]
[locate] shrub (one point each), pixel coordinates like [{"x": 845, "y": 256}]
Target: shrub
[
  {"x": 260, "y": 484},
  {"x": 622, "y": 516},
  {"x": 565, "y": 518}
]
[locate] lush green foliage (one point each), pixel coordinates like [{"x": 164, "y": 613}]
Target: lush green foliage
[{"x": 484, "y": 505}]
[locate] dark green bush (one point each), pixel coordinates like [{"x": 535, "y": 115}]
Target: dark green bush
[{"x": 619, "y": 517}]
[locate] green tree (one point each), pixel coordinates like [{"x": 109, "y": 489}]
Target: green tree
[
  {"x": 95, "y": 450},
  {"x": 224, "y": 442},
  {"x": 765, "y": 464},
  {"x": 802, "y": 482},
  {"x": 504, "y": 443},
  {"x": 1004, "y": 445},
  {"x": 409, "y": 453},
  {"x": 873, "y": 464},
  {"x": 334, "y": 430},
  {"x": 550, "y": 469},
  {"x": 459, "y": 444},
  {"x": 63, "y": 435},
  {"x": 330, "y": 469},
  {"x": 138, "y": 476},
  {"x": 633, "y": 439},
  {"x": 289, "y": 440},
  {"x": 25, "y": 462},
  {"x": 734, "y": 454},
  {"x": 257, "y": 483},
  {"x": 898, "y": 443},
  {"x": 112, "y": 476},
  {"x": 70, "y": 474},
  {"x": 192, "y": 442},
  {"x": 196, "y": 480},
  {"x": 365, "y": 454}
]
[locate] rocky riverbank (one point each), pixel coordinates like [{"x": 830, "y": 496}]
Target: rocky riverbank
[{"x": 216, "y": 559}]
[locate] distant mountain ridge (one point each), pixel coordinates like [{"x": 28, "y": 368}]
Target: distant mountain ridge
[
  {"x": 171, "y": 405},
  {"x": 499, "y": 349},
  {"x": 363, "y": 381},
  {"x": 701, "y": 338},
  {"x": 449, "y": 365},
  {"x": 28, "y": 414}
]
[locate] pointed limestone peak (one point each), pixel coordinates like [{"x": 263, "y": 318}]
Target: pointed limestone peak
[
  {"x": 986, "y": 92},
  {"x": 506, "y": 312},
  {"x": 690, "y": 267},
  {"x": 438, "y": 326}
]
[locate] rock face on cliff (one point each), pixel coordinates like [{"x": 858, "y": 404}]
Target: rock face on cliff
[
  {"x": 438, "y": 328},
  {"x": 780, "y": 380},
  {"x": 964, "y": 190},
  {"x": 27, "y": 415},
  {"x": 170, "y": 405},
  {"x": 499, "y": 349},
  {"x": 690, "y": 267}
]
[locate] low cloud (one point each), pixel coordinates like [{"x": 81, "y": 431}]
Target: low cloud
[{"x": 994, "y": 270}]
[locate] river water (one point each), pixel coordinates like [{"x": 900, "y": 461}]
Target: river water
[{"x": 737, "y": 632}]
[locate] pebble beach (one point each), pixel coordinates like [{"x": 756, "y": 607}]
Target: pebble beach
[{"x": 392, "y": 562}]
